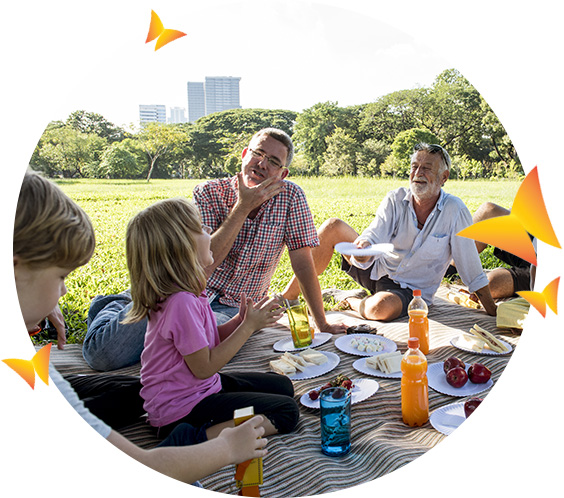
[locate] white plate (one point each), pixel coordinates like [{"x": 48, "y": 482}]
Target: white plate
[
  {"x": 361, "y": 366},
  {"x": 485, "y": 350},
  {"x": 344, "y": 344},
  {"x": 448, "y": 418},
  {"x": 350, "y": 249},
  {"x": 317, "y": 370},
  {"x": 288, "y": 345},
  {"x": 437, "y": 380},
  {"x": 363, "y": 389}
]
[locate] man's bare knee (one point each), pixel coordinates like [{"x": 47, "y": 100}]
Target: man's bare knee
[
  {"x": 335, "y": 230},
  {"x": 489, "y": 210},
  {"x": 382, "y": 306}
]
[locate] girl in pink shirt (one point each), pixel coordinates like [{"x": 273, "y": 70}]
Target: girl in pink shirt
[{"x": 168, "y": 250}]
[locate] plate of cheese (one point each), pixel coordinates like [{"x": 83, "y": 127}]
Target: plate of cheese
[
  {"x": 382, "y": 365},
  {"x": 287, "y": 344},
  {"x": 305, "y": 364},
  {"x": 365, "y": 344},
  {"x": 479, "y": 340}
]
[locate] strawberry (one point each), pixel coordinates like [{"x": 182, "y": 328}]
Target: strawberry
[{"x": 313, "y": 395}]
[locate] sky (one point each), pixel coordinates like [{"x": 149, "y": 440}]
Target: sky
[
  {"x": 289, "y": 55},
  {"x": 60, "y": 56}
]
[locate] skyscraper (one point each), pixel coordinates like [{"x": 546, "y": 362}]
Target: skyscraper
[
  {"x": 218, "y": 93},
  {"x": 152, "y": 113},
  {"x": 196, "y": 101},
  {"x": 222, "y": 93},
  {"x": 177, "y": 115}
]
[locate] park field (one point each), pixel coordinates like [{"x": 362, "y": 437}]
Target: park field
[{"x": 111, "y": 203}]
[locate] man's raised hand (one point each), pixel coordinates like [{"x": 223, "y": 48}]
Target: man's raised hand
[{"x": 253, "y": 197}]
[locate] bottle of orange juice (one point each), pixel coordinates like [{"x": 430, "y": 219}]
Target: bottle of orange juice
[
  {"x": 414, "y": 385},
  {"x": 418, "y": 321}
]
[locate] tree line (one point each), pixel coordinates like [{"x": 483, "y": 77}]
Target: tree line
[{"x": 373, "y": 139}]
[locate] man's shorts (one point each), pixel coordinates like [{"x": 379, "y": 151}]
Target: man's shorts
[
  {"x": 520, "y": 269},
  {"x": 385, "y": 284}
]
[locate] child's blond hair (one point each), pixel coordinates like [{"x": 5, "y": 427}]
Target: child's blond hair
[
  {"x": 50, "y": 229},
  {"x": 162, "y": 256}
]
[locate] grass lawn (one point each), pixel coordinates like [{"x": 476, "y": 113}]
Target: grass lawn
[{"x": 111, "y": 203}]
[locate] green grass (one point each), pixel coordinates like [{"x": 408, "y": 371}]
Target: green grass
[{"x": 110, "y": 205}]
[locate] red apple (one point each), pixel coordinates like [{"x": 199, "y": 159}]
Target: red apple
[
  {"x": 452, "y": 362},
  {"x": 457, "y": 377},
  {"x": 470, "y": 405},
  {"x": 479, "y": 374}
]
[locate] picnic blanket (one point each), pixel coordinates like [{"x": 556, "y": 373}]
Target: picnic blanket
[{"x": 381, "y": 442}]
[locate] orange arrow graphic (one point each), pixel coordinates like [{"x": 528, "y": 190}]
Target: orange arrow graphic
[
  {"x": 511, "y": 232},
  {"x": 157, "y": 30},
  {"x": 549, "y": 296},
  {"x": 27, "y": 368}
]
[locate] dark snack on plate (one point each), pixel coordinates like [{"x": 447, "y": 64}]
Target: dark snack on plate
[
  {"x": 340, "y": 381},
  {"x": 362, "y": 328}
]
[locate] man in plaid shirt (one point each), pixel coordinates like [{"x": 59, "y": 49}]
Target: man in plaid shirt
[{"x": 254, "y": 216}]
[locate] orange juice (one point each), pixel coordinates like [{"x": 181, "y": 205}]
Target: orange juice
[
  {"x": 419, "y": 327},
  {"x": 414, "y": 386}
]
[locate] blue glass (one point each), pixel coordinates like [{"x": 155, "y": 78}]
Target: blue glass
[{"x": 335, "y": 405}]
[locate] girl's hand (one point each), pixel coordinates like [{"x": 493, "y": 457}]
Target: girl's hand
[
  {"x": 242, "y": 306},
  {"x": 263, "y": 314}
]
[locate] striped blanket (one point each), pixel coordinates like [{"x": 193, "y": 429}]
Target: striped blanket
[{"x": 381, "y": 442}]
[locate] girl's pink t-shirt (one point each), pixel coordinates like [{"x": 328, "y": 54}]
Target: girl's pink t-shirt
[{"x": 183, "y": 325}]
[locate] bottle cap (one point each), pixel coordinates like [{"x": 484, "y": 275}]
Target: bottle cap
[
  {"x": 417, "y": 292},
  {"x": 413, "y": 343}
]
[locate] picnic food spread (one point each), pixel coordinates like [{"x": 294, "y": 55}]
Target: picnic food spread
[{"x": 381, "y": 443}]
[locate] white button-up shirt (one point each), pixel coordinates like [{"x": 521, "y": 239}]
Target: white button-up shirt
[{"x": 420, "y": 257}]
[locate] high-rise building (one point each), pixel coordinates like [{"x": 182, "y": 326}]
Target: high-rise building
[
  {"x": 217, "y": 93},
  {"x": 196, "y": 101},
  {"x": 177, "y": 115},
  {"x": 152, "y": 113},
  {"x": 222, "y": 93}
]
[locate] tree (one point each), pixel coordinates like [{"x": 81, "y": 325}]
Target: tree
[
  {"x": 371, "y": 156},
  {"x": 453, "y": 112},
  {"x": 119, "y": 161},
  {"x": 314, "y": 125},
  {"x": 340, "y": 156},
  {"x": 391, "y": 114},
  {"x": 157, "y": 139},
  {"x": 402, "y": 148},
  {"x": 90, "y": 122},
  {"x": 64, "y": 151}
]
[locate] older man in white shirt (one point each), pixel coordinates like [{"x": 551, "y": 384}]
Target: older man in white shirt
[{"x": 421, "y": 222}]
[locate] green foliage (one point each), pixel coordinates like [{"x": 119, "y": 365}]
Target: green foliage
[
  {"x": 329, "y": 140},
  {"x": 90, "y": 122},
  {"x": 64, "y": 151},
  {"x": 340, "y": 157},
  {"x": 402, "y": 148},
  {"x": 314, "y": 125},
  {"x": 111, "y": 203},
  {"x": 119, "y": 161}
]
